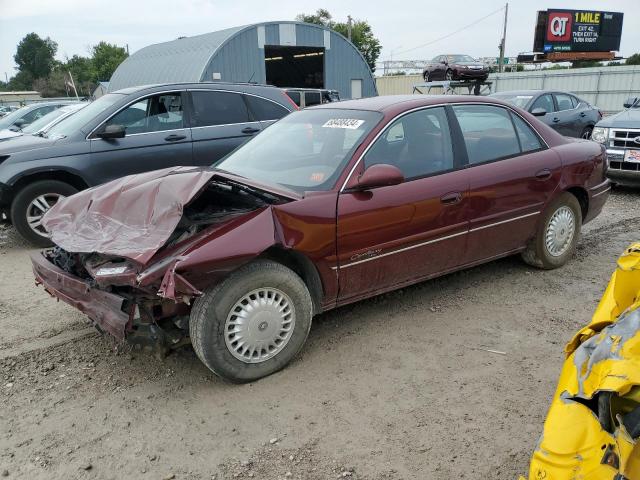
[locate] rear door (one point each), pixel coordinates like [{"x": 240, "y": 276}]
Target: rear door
[
  {"x": 512, "y": 176},
  {"x": 157, "y": 136},
  {"x": 220, "y": 122},
  {"x": 568, "y": 116},
  {"x": 390, "y": 236}
]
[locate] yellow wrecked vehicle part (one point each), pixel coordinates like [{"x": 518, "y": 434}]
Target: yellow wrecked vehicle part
[{"x": 592, "y": 430}]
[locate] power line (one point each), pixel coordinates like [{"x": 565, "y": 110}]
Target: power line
[{"x": 452, "y": 33}]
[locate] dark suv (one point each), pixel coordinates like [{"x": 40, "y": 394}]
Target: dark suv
[{"x": 130, "y": 131}]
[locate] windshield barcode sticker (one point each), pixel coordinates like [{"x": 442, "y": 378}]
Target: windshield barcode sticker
[{"x": 350, "y": 123}]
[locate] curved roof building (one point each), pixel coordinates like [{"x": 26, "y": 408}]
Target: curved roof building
[{"x": 285, "y": 54}]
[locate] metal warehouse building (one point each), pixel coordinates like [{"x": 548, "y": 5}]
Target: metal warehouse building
[{"x": 284, "y": 54}]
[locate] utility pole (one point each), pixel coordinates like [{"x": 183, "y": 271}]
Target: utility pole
[
  {"x": 349, "y": 20},
  {"x": 504, "y": 38}
]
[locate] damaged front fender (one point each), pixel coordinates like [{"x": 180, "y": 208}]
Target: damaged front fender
[{"x": 592, "y": 430}]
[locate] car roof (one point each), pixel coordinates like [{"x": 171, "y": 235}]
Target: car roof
[
  {"x": 405, "y": 102},
  {"x": 220, "y": 85}
]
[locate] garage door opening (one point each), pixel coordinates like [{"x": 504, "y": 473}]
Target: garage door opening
[{"x": 294, "y": 66}]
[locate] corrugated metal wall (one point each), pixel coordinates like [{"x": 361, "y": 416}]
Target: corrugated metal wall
[
  {"x": 241, "y": 59},
  {"x": 605, "y": 87}
]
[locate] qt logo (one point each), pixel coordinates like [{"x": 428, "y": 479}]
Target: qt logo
[{"x": 559, "y": 27}]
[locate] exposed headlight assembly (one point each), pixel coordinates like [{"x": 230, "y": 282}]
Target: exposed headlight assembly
[{"x": 600, "y": 135}]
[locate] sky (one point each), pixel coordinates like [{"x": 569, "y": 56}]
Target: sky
[{"x": 76, "y": 25}]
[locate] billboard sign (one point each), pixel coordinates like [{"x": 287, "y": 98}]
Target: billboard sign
[{"x": 577, "y": 31}]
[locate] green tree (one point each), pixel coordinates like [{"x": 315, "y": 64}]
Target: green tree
[
  {"x": 361, "y": 34},
  {"x": 35, "y": 57},
  {"x": 633, "y": 59},
  {"x": 585, "y": 64},
  {"x": 105, "y": 58},
  {"x": 21, "y": 81}
]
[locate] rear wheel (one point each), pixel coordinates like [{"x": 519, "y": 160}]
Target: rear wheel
[
  {"x": 426, "y": 76},
  {"x": 557, "y": 237},
  {"x": 30, "y": 205},
  {"x": 253, "y": 323}
]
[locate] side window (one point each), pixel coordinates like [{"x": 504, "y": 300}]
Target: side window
[
  {"x": 265, "y": 109},
  {"x": 37, "y": 113},
  {"x": 544, "y": 101},
  {"x": 312, "y": 98},
  {"x": 218, "y": 108},
  {"x": 564, "y": 102},
  {"x": 152, "y": 114},
  {"x": 575, "y": 101},
  {"x": 419, "y": 144},
  {"x": 529, "y": 141},
  {"x": 488, "y": 132},
  {"x": 295, "y": 96}
]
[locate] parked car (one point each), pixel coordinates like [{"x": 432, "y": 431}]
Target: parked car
[
  {"x": 131, "y": 131},
  {"x": 308, "y": 97},
  {"x": 592, "y": 430},
  {"x": 620, "y": 134},
  {"x": 18, "y": 119},
  {"x": 40, "y": 126},
  {"x": 328, "y": 206},
  {"x": 455, "y": 67},
  {"x": 6, "y": 110},
  {"x": 566, "y": 113}
]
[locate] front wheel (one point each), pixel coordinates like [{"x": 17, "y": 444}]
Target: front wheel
[
  {"x": 557, "y": 236},
  {"x": 30, "y": 205},
  {"x": 253, "y": 323},
  {"x": 586, "y": 133},
  {"x": 448, "y": 75}
]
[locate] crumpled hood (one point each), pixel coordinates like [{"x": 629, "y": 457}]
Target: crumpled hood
[{"x": 131, "y": 217}]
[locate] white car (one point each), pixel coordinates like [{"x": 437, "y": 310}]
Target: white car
[{"x": 44, "y": 123}]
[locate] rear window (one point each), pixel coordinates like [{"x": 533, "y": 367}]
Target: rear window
[
  {"x": 264, "y": 109},
  {"x": 312, "y": 98},
  {"x": 295, "y": 96}
]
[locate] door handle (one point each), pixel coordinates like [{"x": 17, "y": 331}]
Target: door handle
[
  {"x": 582, "y": 114},
  {"x": 250, "y": 130},
  {"x": 175, "y": 138},
  {"x": 543, "y": 174},
  {"x": 556, "y": 120},
  {"x": 451, "y": 198}
]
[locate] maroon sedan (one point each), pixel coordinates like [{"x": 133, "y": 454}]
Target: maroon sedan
[{"x": 328, "y": 206}]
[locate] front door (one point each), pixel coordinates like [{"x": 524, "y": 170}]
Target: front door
[
  {"x": 569, "y": 116},
  {"x": 156, "y": 137},
  {"x": 512, "y": 173},
  {"x": 220, "y": 123},
  {"x": 394, "y": 235}
]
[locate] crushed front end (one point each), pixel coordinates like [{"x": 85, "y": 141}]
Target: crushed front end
[{"x": 134, "y": 254}]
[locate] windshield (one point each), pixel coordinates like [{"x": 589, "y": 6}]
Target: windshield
[
  {"x": 73, "y": 123},
  {"x": 8, "y": 120},
  {"x": 517, "y": 100},
  {"x": 44, "y": 121},
  {"x": 460, "y": 58},
  {"x": 304, "y": 151}
]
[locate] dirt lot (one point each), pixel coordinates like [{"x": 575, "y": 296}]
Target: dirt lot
[{"x": 397, "y": 387}]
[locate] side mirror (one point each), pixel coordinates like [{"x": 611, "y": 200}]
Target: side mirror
[
  {"x": 379, "y": 175},
  {"x": 538, "y": 112},
  {"x": 21, "y": 122},
  {"x": 112, "y": 131},
  {"x": 630, "y": 102}
]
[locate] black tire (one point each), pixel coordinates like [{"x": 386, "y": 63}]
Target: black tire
[
  {"x": 426, "y": 77},
  {"x": 22, "y": 201},
  {"x": 537, "y": 254},
  {"x": 586, "y": 133},
  {"x": 210, "y": 311},
  {"x": 448, "y": 75}
]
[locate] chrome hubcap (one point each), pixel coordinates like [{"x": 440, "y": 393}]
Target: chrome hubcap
[
  {"x": 259, "y": 325},
  {"x": 560, "y": 231},
  {"x": 37, "y": 208}
]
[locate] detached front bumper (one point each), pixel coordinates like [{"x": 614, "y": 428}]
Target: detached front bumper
[
  {"x": 103, "y": 308},
  {"x": 473, "y": 74}
]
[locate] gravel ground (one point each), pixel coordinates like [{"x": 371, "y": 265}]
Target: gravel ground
[{"x": 398, "y": 387}]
